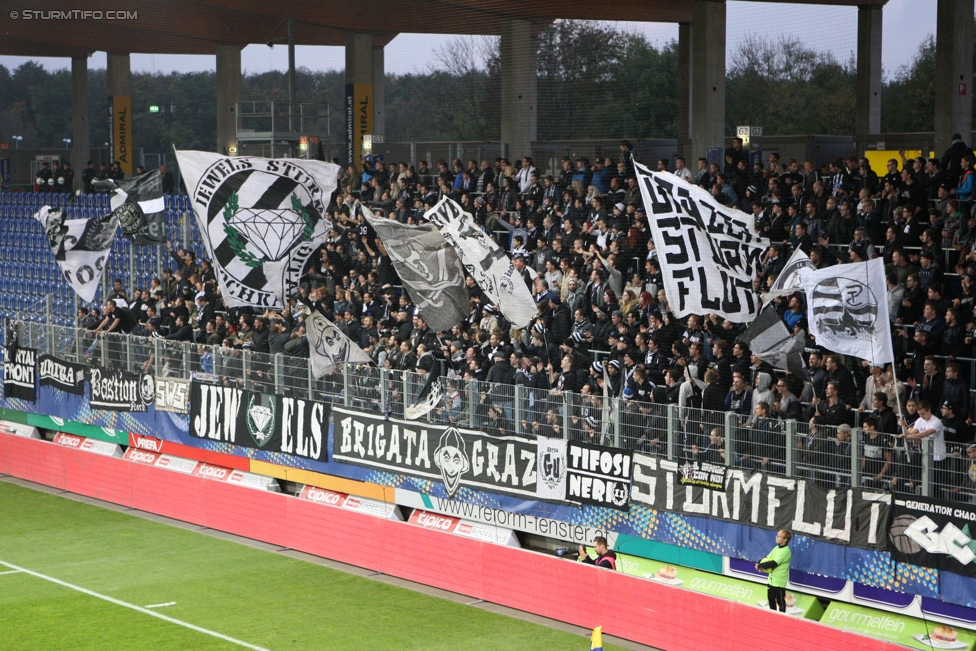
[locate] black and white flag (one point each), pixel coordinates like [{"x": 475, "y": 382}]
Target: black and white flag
[
  {"x": 20, "y": 372},
  {"x": 708, "y": 253},
  {"x": 139, "y": 205},
  {"x": 80, "y": 247},
  {"x": 428, "y": 267},
  {"x": 329, "y": 347},
  {"x": 261, "y": 220},
  {"x": 848, "y": 310},
  {"x": 790, "y": 280},
  {"x": 61, "y": 374},
  {"x": 116, "y": 390},
  {"x": 487, "y": 263},
  {"x": 771, "y": 341}
]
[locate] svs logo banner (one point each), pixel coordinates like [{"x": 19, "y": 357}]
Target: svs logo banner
[{"x": 259, "y": 420}]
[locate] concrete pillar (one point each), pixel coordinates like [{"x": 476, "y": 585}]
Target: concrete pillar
[
  {"x": 708, "y": 76},
  {"x": 953, "y": 73},
  {"x": 119, "y": 86},
  {"x": 360, "y": 97},
  {"x": 379, "y": 91},
  {"x": 867, "y": 118},
  {"x": 119, "y": 78},
  {"x": 518, "y": 88},
  {"x": 79, "y": 117},
  {"x": 228, "y": 96},
  {"x": 685, "y": 32}
]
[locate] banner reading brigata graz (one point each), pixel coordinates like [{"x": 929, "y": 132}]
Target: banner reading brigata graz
[
  {"x": 933, "y": 533},
  {"x": 259, "y": 420},
  {"x": 457, "y": 457},
  {"x": 849, "y": 516}
]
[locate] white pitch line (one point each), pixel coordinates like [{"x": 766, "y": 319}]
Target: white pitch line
[
  {"x": 10, "y": 572},
  {"x": 168, "y": 603},
  {"x": 140, "y": 609}
]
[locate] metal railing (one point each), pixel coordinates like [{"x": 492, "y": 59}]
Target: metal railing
[{"x": 835, "y": 457}]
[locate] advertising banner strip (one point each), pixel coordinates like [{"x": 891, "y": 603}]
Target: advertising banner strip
[
  {"x": 907, "y": 631},
  {"x": 321, "y": 480},
  {"x": 152, "y": 444},
  {"x": 456, "y": 457},
  {"x": 855, "y": 517},
  {"x": 577, "y": 534},
  {"x": 488, "y": 533},
  {"x": 754, "y": 594},
  {"x": 933, "y": 533}
]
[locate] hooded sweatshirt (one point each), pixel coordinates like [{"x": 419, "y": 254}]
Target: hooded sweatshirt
[{"x": 762, "y": 394}]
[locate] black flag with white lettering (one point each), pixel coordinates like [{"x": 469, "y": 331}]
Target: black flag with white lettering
[
  {"x": 61, "y": 374},
  {"x": 20, "y": 372}
]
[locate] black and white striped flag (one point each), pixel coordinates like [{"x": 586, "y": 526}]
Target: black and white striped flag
[
  {"x": 139, "y": 205},
  {"x": 261, "y": 220},
  {"x": 80, "y": 247}
]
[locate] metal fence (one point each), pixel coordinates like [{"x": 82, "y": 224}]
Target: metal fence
[{"x": 835, "y": 457}]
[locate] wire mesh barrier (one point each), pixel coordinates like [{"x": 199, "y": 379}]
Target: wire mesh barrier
[{"x": 832, "y": 456}]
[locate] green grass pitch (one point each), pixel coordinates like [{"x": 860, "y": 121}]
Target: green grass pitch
[{"x": 258, "y": 598}]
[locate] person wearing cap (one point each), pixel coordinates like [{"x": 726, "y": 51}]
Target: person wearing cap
[
  {"x": 560, "y": 319},
  {"x": 954, "y": 425},
  {"x": 615, "y": 376}
]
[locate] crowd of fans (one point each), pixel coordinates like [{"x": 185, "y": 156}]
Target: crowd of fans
[{"x": 579, "y": 238}]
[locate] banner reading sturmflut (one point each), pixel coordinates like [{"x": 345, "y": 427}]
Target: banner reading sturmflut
[
  {"x": 848, "y": 310},
  {"x": 850, "y": 516},
  {"x": 487, "y": 263},
  {"x": 80, "y": 247},
  {"x": 708, "y": 253},
  {"x": 428, "y": 267},
  {"x": 261, "y": 220}
]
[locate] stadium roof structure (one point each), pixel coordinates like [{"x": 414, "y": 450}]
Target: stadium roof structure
[{"x": 198, "y": 26}]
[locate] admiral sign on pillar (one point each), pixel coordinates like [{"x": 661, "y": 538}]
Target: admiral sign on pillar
[
  {"x": 359, "y": 119},
  {"x": 120, "y": 130}
]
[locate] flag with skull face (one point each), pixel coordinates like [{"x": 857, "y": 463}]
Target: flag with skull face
[
  {"x": 261, "y": 220},
  {"x": 329, "y": 347},
  {"x": 428, "y": 267}
]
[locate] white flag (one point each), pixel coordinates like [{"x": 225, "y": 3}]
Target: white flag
[
  {"x": 551, "y": 462},
  {"x": 329, "y": 347},
  {"x": 261, "y": 220},
  {"x": 485, "y": 261},
  {"x": 790, "y": 280},
  {"x": 709, "y": 254},
  {"x": 847, "y": 305},
  {"x": 80, "y": 247}
]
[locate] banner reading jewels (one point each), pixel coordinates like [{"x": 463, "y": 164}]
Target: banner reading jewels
[
  {"x": 259, "y": 420},
  {"x": 61, "y": 374},
  {"x": 933, "y": 533},
  {"x": 855, "y": 516},
  {"x": 457, "y": 457}
]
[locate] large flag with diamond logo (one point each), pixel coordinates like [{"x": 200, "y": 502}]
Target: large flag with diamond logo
[{"x": 261, "y": 220}]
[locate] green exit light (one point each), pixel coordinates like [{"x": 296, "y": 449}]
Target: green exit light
[{"x": 153, "y": 108}]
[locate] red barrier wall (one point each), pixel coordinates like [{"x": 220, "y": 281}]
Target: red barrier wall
[{"x": 644, "y": 611}]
